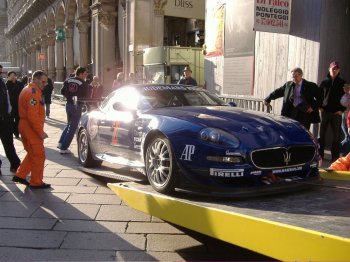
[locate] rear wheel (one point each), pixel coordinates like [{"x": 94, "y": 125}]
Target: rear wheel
[
  {"x": 161, "y": 167},
  {"x": 84, "y": 151}
]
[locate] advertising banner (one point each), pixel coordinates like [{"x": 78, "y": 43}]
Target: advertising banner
[
  {"x": 272, "y": 16},
  {"x": 215, "y": 25}
]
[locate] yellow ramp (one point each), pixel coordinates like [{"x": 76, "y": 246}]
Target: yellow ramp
[
  {"x": 335, "y": 175},
  {"x": 273, "y": 239}
]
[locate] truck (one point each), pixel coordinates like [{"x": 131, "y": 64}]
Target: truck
[{"x": 165, "y": 64}]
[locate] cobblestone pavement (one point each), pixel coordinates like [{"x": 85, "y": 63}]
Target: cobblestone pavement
[{"x": 81, "y": 219}]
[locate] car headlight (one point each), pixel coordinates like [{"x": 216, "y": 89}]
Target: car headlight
[{"x": 219, "y": 136}]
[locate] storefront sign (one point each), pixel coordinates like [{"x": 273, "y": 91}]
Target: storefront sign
[
  {"x": 60, "y": 35},
  {"x": 185, "y": 8},
  {"x": 272, "y": 16}
]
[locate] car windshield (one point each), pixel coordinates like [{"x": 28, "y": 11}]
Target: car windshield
[{"x": 175, "y": 98}]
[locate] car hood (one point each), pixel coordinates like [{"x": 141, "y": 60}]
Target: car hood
[{"x": 257, "y": 127}]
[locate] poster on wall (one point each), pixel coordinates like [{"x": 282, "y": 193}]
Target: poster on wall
[
  {"x": 272, "y": 16},
  {"x": 215, "y": 25}
]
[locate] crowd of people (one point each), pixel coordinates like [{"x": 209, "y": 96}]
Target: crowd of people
[{"x": 25, "y": 103}]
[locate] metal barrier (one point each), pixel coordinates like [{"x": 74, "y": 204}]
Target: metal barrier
[
  {"x": 250, "y": 103},
  {"x": 56, "y": 94}
]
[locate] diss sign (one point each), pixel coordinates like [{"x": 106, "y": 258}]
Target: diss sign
[{"x": 272, "y": 16}]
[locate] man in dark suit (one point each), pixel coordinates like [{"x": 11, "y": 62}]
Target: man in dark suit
[
  {"x": 6, "y": 127},
  {"x": 301, "y": 99}
]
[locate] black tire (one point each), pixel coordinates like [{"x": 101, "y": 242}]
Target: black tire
[
  {"x": 161, "y": 168},
  {"x": 84, "y": 151}
]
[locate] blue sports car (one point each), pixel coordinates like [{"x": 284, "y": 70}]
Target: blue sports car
[{"x": 188, "y": 139}]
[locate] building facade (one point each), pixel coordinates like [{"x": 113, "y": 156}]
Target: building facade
[
  {"x": 3, "y": 26},
  {"x": 107, "y": 36},
  {"x": 247, "y": 62}
]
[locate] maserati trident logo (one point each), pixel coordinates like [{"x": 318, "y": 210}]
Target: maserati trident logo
[{"x": 286, "y": 157}]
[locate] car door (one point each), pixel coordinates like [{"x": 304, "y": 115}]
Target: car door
[{"x": 118, "y": 126}]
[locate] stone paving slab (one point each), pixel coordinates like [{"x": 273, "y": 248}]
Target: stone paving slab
[
  {"x": 94, "y": 199},
  {"x": 156, "y": 242},
  {"x": 153, "y": 228},
  {"x": 11, "y": 187},
  {"x": 104, "y": 241},
  {"x": 17, "y": 209},
  {"x": 27, "y": 254},
  {"x": 64, "y": 211},
  {"x": 30, "y": 238},
  {"x": 148, "y": 256},
  {"x": 27, "y": 223},
  {"x": 91, "y": 182},
  {"x": 121, "y": 213},
  {"x": 62, "y": 181},
  {"x": 90, "y": 226},
  {"x": 35, "y": 196},
  {"x": 105, "y": 191},
  {"x": 74, "y": 189},
  {"x": 72, "y": 174}
]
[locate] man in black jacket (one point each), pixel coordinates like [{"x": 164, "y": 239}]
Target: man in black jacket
[
  {"x": 5, "y": 127},
  {"x": 14, "y": 88},
  {"x": 331, "y": 109},
  {"x": 301, "y": 99},
  {"x": 47, "y": 94}
]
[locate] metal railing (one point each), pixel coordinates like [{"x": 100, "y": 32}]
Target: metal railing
[{"x": 245, "y": 102}]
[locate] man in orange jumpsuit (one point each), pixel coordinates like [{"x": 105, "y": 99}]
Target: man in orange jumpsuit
[{"x": 31, "y": 127}]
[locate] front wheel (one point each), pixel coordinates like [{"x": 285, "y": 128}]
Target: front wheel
[
  {"x": 161, "y": 167},
  {"x": 84, "y": 151}
]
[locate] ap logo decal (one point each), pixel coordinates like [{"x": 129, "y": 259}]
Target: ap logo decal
[{"x": 188, "y": 152}]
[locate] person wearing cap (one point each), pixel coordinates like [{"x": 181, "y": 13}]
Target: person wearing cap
[
  {"x": 332, "y": 110},
  {"x": 187, "y": 79},
  {"x": 301, "y": 99}
]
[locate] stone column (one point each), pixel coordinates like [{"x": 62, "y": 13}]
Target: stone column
[
  {"x": 59, "y": 60},
  {"x": 44, "y": 63},
  {"x": 33, "y": 57},
  {"x": 38, "y": 50},
  {"x": 158, "y": 23},
  {"x": 103, "y": 22},
  {"x": 29, "y": 59},
  {"x": 51, "y": 55},
  {"x": 83, "y": 27},
  {"x": 25, "y": 61},
  {"x": 69, "y": 49}
]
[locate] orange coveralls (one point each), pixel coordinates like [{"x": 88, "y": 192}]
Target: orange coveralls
[
  {"x": 341, "y": 164},
  {"x": 31, "y": 127}
]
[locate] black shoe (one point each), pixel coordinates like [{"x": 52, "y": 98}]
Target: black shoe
[
  {"x": 42, "y": 186},
  {"x": 20, "y": 180}
]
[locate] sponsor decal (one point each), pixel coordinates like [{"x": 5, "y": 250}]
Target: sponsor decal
[
  {"x": 138, "y": 139},
  {"x": 256, "y": 173},
  {"x": 188, "y": 152},
  {"x": 33, "y": 102},
  {"x": 286, "y": 170},
  {"x": 229, "y": 153},
  {"x": 92, "y": 127},
  {"x": 115, "y": 133},
  {"x": 165, "y": 87},
  {"x": 226, "y": 172}
]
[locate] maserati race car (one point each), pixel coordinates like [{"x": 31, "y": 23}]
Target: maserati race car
[{"x": 188, "y": 139}]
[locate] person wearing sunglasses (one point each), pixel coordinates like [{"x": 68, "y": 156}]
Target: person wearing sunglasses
[{"x": 332, "y": 110}]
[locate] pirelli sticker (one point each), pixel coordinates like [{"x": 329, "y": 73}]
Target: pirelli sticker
[{"x": 226, "y": 172}]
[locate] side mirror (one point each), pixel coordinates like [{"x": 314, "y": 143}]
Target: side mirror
[{"x": 233, "y": 104}]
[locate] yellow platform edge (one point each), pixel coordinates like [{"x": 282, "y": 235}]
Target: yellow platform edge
[
  {"x": 334, "y": 175},
  {"x": 276, "y": 240}
]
